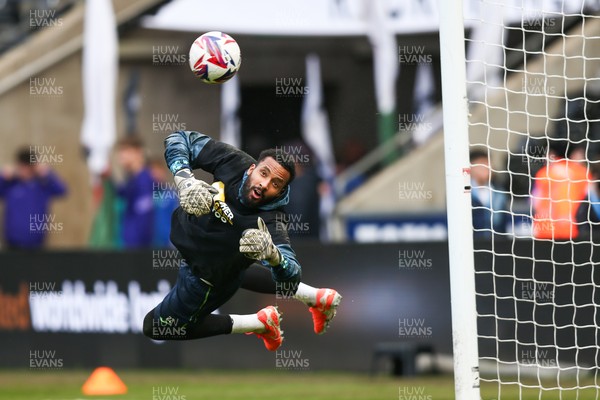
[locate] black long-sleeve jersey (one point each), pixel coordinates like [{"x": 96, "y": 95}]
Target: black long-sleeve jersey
[{"x": 210, "y": 243}]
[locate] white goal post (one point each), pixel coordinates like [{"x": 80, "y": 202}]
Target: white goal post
[
  {"x": 458, "y": 198},
  {"x": 521, "y": 103}
]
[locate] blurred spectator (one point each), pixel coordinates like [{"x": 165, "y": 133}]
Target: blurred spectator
[
  {"x": 27, "y": 190},
  {"x": 165, "y": 202},
  {"x": 558, "y": 190},
  {"x": 489, "y": 203},
  {"x": 105, "y": 232},
  {"x": 137, "y": 225},
  {"x": 303, "y": 217}
]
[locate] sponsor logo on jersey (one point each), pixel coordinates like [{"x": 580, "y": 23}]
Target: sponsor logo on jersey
[{"x": 220, "y": 209}]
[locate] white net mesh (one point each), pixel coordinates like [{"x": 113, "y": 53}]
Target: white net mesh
[{"x": 533, "y": 71}]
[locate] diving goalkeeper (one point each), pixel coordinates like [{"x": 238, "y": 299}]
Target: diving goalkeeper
[{"x": 223, "y": 231}]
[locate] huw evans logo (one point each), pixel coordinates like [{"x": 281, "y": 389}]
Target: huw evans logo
[
  {"x": 295, "y": 154},
  {"x": 291, "y": 223},
  {"x": 537, "y": 21},
  {"x": 164, "y": 191},
  {"x": 413, "y": 191},
  {"x": 43, "y": 290},
  {"x": 536, "y": 155},
  {"x": 291, "y": 360},
  {"x": 538, "y": 291},
  {"x": 45, "y": 87},
  {"x": 44, "y": 223},
  {"x": 537, "y": 85},
  {"x": 413, "y": 55},
  {"x": 414, "y": 328},
  {"x": 169, "y": 327},
  {"x": 413, "y": 122},
  {"x": 167, "y": 55},
  {"x": 166, "y": 259},
  {"x": 286, "y": 290},
  {"x": 167, "y": 393},
  {"x": 413, "y": 393},
  {"x": 44, "y": 19},
  {"x": 538, "y": 358},
  {"x": 44, "y": 155},
  {"x": 167, "y": 122},
  {"x": 44, "y": 359},
  {"x": 414, "y": 260},
  {"x": 290, "y": 87}
]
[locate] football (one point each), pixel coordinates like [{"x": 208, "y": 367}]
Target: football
[{"x": 215, "y": 57}]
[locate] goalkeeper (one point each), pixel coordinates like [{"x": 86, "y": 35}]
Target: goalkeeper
[{"x": 222, "y": 230}]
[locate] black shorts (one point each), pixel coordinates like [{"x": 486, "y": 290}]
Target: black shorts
[{"x": 192, "y": 299}]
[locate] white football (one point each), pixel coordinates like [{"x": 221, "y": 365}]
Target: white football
[{"x": 215, "y": 57}]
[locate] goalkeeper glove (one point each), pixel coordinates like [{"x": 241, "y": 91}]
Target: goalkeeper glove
[
  {"x": 195, "y": 196},
  {"x": 258, "y": 245}
]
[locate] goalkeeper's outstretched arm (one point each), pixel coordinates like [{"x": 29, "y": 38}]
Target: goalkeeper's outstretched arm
[{"x": 193, "y": 150}]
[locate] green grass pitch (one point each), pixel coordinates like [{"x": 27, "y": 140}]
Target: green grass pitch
[
  {"x": 218, "y": 385},
  {"x": 254, "y": 385}
]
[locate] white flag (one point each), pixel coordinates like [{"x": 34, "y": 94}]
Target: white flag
[
  {"x": 315, "y": 132},
  {"x": 230, "y": 104},
  {"x": 385, "y": 56},
  {"x": 100, "y": 66},
  {"x": 315, "y": 123}
]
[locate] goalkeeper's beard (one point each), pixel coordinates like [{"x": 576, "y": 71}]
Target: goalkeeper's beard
[{"x": 247, "y": 191}]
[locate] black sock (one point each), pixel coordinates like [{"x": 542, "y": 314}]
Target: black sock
[{"x": 211, "y": 325}]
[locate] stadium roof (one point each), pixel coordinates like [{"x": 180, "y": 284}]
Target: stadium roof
[
  {"x": 291, "y": 17},
  {"x": 335, "y": 17}
]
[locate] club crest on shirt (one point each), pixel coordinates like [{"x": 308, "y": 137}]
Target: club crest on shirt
[{"x": 220, "y": 209}]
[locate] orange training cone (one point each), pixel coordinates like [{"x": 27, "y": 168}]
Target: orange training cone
[{"x": 103, "y": 381}]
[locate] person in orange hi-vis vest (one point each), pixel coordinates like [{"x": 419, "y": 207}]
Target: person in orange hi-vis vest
[{"x": 558, "y": 190}]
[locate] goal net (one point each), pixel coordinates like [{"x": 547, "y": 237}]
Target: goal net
[{"x": 533, "y": 89}]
